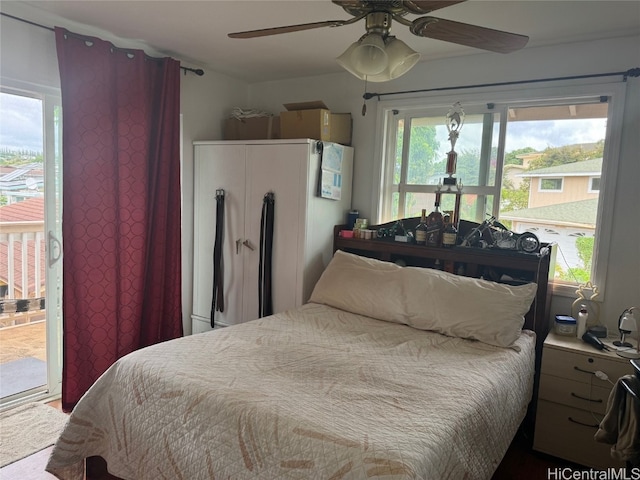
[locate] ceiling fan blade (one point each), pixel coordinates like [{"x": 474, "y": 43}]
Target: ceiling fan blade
[
  {"x": 469, "y": 35},
  {"x": 426, "y": 6},
  {"x": 289, "y": 28}
]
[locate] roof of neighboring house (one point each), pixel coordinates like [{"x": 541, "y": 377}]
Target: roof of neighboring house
[
  {"x": 582, "y": 213},
  {"x": 583, "y": 168},
  {"x": 28, "y": 178},
  {"x": 30, "y": 210}
]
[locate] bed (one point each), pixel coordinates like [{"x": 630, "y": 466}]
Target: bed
[{"x": 385, "y": 373}]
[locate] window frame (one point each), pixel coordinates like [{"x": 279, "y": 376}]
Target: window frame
[
  {"x": 541, "y": 189},
  {"x": 501, "y": 99},
  {"x": 488, "y": 191}
]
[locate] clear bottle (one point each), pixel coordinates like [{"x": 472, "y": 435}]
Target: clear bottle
[
  {"x": 434, "y": 227},
  {"x": 583, "y": 317},
  {"x": 421, "y": 229},
  {"x": 449, "y": 233}
]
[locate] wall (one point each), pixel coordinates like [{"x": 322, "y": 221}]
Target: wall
[
  {"x": 28, "y": 54},
  {"x": 343, "y": 93}
]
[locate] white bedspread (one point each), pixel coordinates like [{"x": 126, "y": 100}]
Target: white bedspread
[{"x": 310, "y": 393}]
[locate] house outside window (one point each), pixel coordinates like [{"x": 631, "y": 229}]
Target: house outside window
[{"x": 535, "y": 164}]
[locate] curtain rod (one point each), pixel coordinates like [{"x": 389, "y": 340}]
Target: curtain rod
[
  {"x": 197, "y": 71},
  {"x": 632, "y": 72}
]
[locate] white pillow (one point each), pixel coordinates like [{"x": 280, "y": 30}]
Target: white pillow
[
  {"x": 426, "y": 299},
  {"x": 362, "y": 285}
]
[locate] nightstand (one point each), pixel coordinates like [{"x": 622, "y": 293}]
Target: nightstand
[{"x": 572, "y": 400}]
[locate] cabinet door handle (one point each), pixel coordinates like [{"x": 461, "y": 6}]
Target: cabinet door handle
[
  {"x": 598, "y": 400},
  {"x": 238, "y": 243},
  {"x": 584, "y": 371},
  {"x": 583, "y": 424},
  {"x": 248, "y": 244}
]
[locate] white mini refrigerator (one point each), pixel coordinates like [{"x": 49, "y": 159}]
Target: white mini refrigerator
[{"x": 311, "y": 187}]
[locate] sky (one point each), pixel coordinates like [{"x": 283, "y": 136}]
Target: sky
[
  {"x": 536, "y": 134},
  {"x": 20, "y": 122},
  {"x": 554, "y": 133}
]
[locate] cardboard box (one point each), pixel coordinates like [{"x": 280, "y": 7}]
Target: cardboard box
[
  {"x": 314, "y": 120},
  {"x": 252, "y": 128}
]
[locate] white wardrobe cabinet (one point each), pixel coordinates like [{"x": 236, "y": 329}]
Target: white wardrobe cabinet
[{"x": 303, "y": 223}]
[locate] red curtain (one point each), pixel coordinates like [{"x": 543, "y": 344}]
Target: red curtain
[{"x": 121, "y": 205}]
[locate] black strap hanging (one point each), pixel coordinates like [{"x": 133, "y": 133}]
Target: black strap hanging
[
  {"x": 217, "y": 299},
  {"x": 265, "y": 301},
  {"x": 320, "y": 150}
]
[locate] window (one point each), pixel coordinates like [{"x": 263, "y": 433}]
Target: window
[
  {"x": 536, "y": 164},
  {"x": 551, "y": 184},
  {"x": 420, "y": 155}
]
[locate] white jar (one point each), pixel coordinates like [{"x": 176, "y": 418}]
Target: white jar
[{"x": 565, "y": 325}]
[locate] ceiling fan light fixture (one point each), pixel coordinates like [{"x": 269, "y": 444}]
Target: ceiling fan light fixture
[
  {"x": 376, "y": 58},
  {"x": 369, "y": 57},
  {"x": 401, "y": 57},
  {"x": 345, "y": 62}
]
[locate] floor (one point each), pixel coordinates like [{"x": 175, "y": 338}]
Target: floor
[
  {"x": 23, "y": 341},
  {"x": 26, "y": 342},
  {"x": 519, "y": 463}
]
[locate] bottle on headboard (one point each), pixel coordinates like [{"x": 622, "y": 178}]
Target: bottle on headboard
[
  {"x": 449, "y": 234},
  {"x": 434, "y": 227},
  {"x": 421, "y": 229}
]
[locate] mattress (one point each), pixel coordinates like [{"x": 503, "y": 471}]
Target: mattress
[{"x": 314, "y": 392}]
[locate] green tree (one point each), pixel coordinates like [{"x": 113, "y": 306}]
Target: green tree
[
  {"x": 514, "y": 198},
  {"x": 422, "y": 154},
  {"x": 468, "y": 166},
  {"x": 553, "y": 156},
  {"x": 581, "y": 274},
  {"x": 584, "y": 245},
  {"x": 511, "y": 158}
]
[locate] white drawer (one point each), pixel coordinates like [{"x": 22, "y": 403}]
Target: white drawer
[
  {"x": 568, "y": 433},
  {"x": 585, "y": 396},
  {"x": 581, "y": 367}
]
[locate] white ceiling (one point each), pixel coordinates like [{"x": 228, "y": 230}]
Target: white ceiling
[{"x": 196, "y": 31}]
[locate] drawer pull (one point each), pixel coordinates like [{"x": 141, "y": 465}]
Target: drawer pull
[
  {"x": 583, "y": 424},
  {"x": 583, "y": 371},
  {"x": 598, "y": 400}
]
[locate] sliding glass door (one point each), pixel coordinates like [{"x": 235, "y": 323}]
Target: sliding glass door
[{"x": 30, "y": 266}]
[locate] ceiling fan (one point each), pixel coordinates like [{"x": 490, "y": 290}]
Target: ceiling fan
[{"x": 379, "y": 56}]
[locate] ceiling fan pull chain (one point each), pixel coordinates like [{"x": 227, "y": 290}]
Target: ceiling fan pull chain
[{"x": 364, "y": 102}]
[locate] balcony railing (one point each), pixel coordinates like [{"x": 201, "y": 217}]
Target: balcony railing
[{"x": 22, "y": 272}]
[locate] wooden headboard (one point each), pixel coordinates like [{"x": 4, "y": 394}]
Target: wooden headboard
[{"x": 503, "y": 266}]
